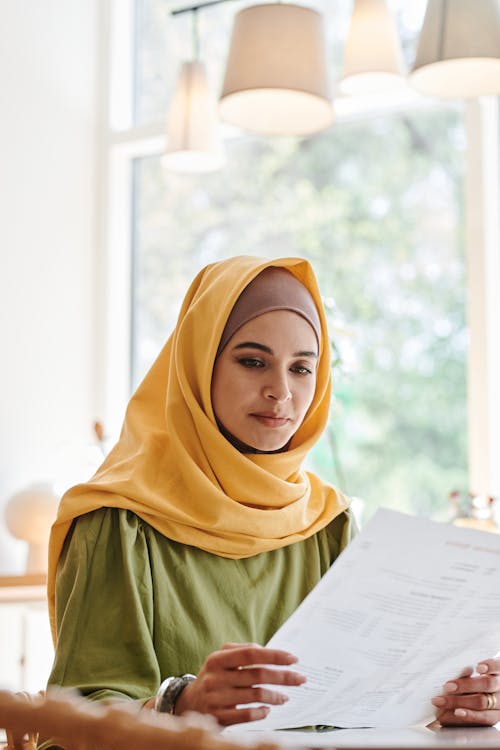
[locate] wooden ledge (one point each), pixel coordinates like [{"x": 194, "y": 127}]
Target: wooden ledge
[{"x": 23, "y": 588}]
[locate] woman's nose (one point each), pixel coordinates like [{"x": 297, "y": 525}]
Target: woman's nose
[{"x": 278, "y": 389}]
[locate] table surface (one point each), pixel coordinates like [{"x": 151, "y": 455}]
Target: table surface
[
  {"x": 381, "y": 739},
  {"x": 478, "y": 738}
]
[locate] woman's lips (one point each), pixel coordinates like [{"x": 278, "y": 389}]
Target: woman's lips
[{"x": 270, "y": 420}]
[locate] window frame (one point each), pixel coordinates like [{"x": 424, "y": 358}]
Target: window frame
[{"x": 482, "y": 220}]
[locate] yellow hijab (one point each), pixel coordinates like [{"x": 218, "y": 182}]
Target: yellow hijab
[{"x": 172, "y": 466}]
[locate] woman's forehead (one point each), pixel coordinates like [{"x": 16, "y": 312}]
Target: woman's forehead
[{"x": 285, "y": 325}]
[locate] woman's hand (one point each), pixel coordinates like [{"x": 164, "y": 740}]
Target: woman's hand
[
  {"x": 233, "y": 676},
  {"x": 472, "y": 700}
]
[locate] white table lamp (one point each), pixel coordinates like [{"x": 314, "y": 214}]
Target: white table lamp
[{"x": 29, "y": 514}]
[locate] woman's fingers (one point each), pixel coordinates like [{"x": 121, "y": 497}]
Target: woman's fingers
[
  {"x": 487, "y": 683},
  {"x": 265, "y": 676},
  {"x": 466, "y": 672},
  {"x": 489, "y": 666},
  {"x": 237, "y": 675},
  {"x": 474, "y": 701},
  {"x": 464, "y": 716},
  {"x": 232, "y": 697},
  {"x": 227, "y": 716},
  {"x": 237, "y": 657},
  {"x": 471, "y": 700}
]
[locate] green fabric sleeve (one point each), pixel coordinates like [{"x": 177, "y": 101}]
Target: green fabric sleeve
[
  {"x": 104, "y": 610},
  {"x": 133, "y": 607}
]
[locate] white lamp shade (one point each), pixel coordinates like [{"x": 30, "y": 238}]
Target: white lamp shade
[
  {"x": 373, "y": 60},
  {"x": 458, "y": 53},
  {"x": 193, "y": 143},
  {"x": 29, "y": 514},
  {"x": 276, "y": 80}
]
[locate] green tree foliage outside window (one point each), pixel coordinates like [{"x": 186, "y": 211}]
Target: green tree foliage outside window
[{"x": 377, "y": 206}]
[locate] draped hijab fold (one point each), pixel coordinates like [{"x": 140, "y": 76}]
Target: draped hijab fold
[{"x": 173, "y": 468}]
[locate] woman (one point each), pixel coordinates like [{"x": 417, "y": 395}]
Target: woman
[{"x": 201, "y": 528}]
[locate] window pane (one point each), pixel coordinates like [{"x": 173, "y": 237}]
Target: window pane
[{"x": 377, "y": 207}]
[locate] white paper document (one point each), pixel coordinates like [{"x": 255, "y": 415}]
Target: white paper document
[{"x": 405, "y": 608}]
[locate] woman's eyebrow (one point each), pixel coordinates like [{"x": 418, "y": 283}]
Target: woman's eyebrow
[
  {"x": 268, "y": 350},
  {"x": 254, "y": 345}
]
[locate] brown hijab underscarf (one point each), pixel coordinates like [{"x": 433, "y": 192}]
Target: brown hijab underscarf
[
  {"x": 273, "y": 289},
  {"x": 174, "y": 468}
]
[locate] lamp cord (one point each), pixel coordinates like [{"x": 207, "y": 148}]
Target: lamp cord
[
  {"x": 191, "y": 8},
  {"x": 195, "y": 34},
  {"x": 442, "y": 29}
]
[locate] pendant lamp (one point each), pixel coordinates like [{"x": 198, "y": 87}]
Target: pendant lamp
[
  {"x": 193, "y": 144},
  {"x": 276, "y": 79},
  {"x": 193, "y": 141},
  {"x": 458, "y": 53},
  {"x": 373, "y": 59}
]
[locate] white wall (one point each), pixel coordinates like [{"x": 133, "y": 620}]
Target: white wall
[{"x": 48, "y": 248}]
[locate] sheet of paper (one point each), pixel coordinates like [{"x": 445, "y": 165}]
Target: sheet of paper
[{"x": 406, "y": 606}]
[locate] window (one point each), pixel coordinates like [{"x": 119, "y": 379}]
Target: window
[{"x": 376, "y": 203}]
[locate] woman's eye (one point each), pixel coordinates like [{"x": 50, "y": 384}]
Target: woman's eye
[
  {"x": 301, "y": 370},
  {"x": 251, "y": 362}
]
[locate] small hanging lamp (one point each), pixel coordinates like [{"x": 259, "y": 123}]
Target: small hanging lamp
[
  {"x": 276, "y": 79},
  {"x": 373, "y": 59},
  {"x": 193, "y": 141},
  {"x": 458, "y": 52}
]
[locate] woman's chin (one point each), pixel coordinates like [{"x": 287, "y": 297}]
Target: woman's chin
[{"x": 270, "y": 445}]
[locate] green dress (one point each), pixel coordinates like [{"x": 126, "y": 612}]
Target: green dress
[{"x": 133, "y": 607}]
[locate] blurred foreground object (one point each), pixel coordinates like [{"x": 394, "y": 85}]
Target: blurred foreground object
[{"x": 74, "y": 722}]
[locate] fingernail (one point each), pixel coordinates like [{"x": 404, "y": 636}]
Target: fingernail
[
  {"x": 460, "y": 712},
  {"x": 439, "y": 701},
  {"x": 450, "y": 687},
  {"x": 285, "y": 698},
  {"x": 482, "y": 668}
]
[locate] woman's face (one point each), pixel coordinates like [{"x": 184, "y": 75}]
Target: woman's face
[{"x": 264, "y": 379}]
